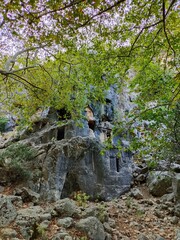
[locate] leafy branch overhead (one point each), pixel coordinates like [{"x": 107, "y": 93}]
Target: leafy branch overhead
[{"x": 53, "y": 52}]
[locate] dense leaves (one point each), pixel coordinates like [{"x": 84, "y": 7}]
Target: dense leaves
[{"x": 55, "y": 54}]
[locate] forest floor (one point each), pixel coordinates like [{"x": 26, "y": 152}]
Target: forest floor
[{"x": 148, "y": 218}]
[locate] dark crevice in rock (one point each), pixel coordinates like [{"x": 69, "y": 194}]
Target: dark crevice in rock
[
  {"x": 71, "y": 185},
  {"x": 91, "y": 124},
  {"x": 60, "y": 133}
]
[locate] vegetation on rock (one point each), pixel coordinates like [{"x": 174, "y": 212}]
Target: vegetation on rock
[{"x": 14, "y": 161}]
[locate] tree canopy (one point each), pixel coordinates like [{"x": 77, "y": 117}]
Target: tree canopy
[{"x": 53, "y": 52}]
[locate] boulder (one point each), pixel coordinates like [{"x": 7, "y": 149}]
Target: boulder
[
  {"x": 66, "y": 208},
  {"x": 27, "y": 195},
  {"x": 92, "y": 227},
  {"x": 7, "y": 211},
  {"x": 32, "y": 214},
  {"x": 96, "y": 211},
  {"x": 159, "y": 182},
  {"x": 65, "y": 222},
  {"x": 8, "y": 233},
  {"x": 136, "y": 193}
]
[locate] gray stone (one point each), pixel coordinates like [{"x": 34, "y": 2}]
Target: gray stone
[
  {"x": 1, "y": 189},
  {"x": 65, "y": 222},
  {"x": 7, "y": 211},
  {"x": 60, "y": 235},
  {"x": 168, "y": 197},
  {"x": 136, "y": 193},
  {"x": 68, "y": 238},
  {"x": 159, "y": 182},
  {"x": 44, "y": 224},
  {"x": 112, "y": 222},
  {"x": 96, "y": 211},
  {"x": 176, "y": 187},
  {"x": 69, "y": 156},
  {"x": 142, "y": 236},
  {"x": 107, "y": 227},
  {"x": 67, "y": 208},
  {"x": 174, "y": 220},
  {"x": 177, "y": 234},
  {"x": 15, "y": 200},
  {"x": 27, "y": 195},
  {"x": 31, "y": 215},
  {"x": 92, "y": 227},
  {"x": 177, "y": 210},
  {"x": 8, "y": 233},
  {"x": 158, "y": 237},
  {"x": 108, "y": 236},
  {"x": 158, "y": 213},
  {"x": 141, "y": 178}
]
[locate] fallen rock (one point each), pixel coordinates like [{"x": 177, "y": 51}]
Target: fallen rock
[
  {"x": 7, "y": 211},
  {"x": 159, "y": 182},
  {"x": 92, "y": 227},
  {"x": 65, "y": 222},
  {"x": 67, "y": 208},
  {"x": 8, "y": 233},
  {"x": 27, "y": 195},
  {"x": 136, "y": 193}
]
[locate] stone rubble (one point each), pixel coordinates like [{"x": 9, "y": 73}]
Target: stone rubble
[{"x": 126, "y": 218}]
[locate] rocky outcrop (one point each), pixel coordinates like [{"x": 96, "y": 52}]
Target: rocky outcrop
[{"x": 71, "y": 158}]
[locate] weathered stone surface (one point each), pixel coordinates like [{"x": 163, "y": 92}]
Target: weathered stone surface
[
  {"x": 96, "y": 211},
  {"x": 177, "y": 234},
  {"x": 142, "y": 237},
  {"x": 60, "y": 235},
  {"x": 176, "y": 187},
  {"x": 7, "y": 211},
  {"x": 159, "y": 182},
  {"x": 69, "y": 157},
  {"x": 32, "y": 214},
  {"x": 65, "y": 222},
  {"x": 177, "y": 210},
  {"x": 92, "y": 227},
  {"x": 67, "y": 208},
  {"x": 168, "y": 197},
  {"x": 27, "y": 195},
  {"x": 8, "y": 233},
  {"x": 136, "y": 193}
]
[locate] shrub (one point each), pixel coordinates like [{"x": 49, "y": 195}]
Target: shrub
[
  {"x": 3, "y": 122},
  {"x": 14, "y": 160}
]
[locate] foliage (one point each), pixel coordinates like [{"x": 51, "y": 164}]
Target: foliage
[
  {"x": 129, "y": 202},
  {"x": 102, "y": 213},
  {"x": 3, "y": 122},
  {"x": 81, "y": 198},
  {"x": 14, "y": 160},
  {"x": 62, "y": 50},
  {"x": 156, "y": 114}
]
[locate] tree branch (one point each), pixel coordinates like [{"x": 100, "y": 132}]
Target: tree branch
[
  {"x": 164, "y": 27},
  {"x": 101, "y": 12},
  {"x": 13, "y": 59}
]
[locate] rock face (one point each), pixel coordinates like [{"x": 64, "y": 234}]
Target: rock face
[{"x": 70, "y": 157}]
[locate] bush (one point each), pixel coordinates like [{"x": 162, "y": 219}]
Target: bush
[
  {"x": 3, "y": 122},
  {"x": 14, "y": 160}
]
